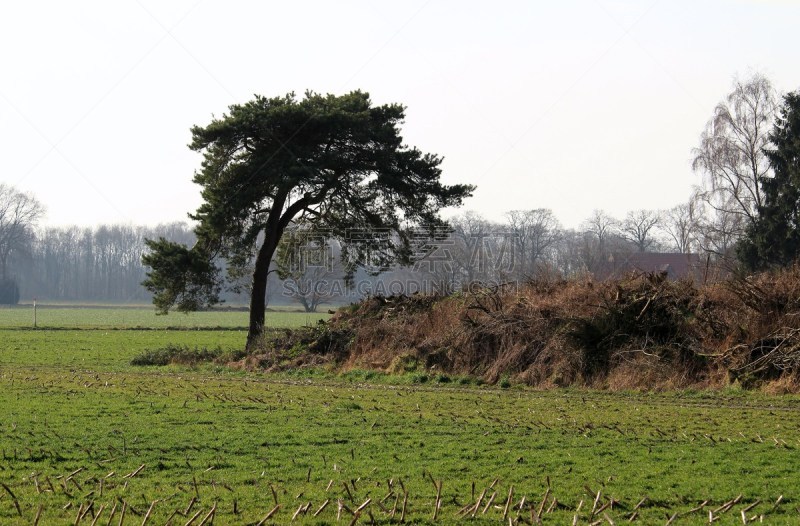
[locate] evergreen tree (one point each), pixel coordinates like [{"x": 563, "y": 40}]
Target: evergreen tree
[
  {"x": 338, "y": 162},
  {"x": 774, "y": 239}
]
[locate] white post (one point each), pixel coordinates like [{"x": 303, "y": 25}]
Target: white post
[{"x": 34, "y": 313}]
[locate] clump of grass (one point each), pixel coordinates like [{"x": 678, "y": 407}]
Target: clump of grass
[
  {"x": 443, "y": 379},
  {"x": 419, "y": 378},
  {"x": 184, "y": 355},
  {"x": 404, "y": 363}
]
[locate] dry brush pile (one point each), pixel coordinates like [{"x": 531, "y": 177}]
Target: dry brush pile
[{"x": 641, "y": 332}]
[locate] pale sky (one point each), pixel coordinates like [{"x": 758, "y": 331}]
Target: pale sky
[{"x": 569, "y": 105}]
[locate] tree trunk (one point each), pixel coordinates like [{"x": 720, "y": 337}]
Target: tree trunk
[
  {"x": 3, "y": 265},
  {"x": 258, "y": 293},
  {"x": 276, "y": 224}
]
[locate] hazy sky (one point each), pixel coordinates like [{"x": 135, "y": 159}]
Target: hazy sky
[{"x": 569, "y": 105}]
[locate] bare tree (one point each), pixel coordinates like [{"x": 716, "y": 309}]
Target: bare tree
[
  {"x": 534, "y": 232},
  {"x": 598, "y": 230},
  {"x": 470, "y": 249},
  {"x": 308, "y": 265},
  {"x": 638, "y": 227},
  {"x": 719, "y": 232},
  {"x": 600, "y": 225},
  {"x": 312, "y": 287},
  {"x": 682, "y": 224},
  {"x": 731, "y": 151},
  {"x": 570, "y": 253},
  {"x": 19, "y": 213}
]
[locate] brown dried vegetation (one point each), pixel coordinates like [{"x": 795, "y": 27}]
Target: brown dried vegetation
[{"x": 641, "y": 332}]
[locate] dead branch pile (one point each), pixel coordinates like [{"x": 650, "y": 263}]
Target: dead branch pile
[{"x": 643, "y": 331}]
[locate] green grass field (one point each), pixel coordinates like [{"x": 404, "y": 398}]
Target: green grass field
[
  {"x": 84, "y": 434},
  {"x": 88, "y": 316}
]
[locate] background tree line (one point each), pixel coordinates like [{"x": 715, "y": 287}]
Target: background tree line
[
  {"x": 743, "y": 216},
  {"x": 104, "y": 263}
]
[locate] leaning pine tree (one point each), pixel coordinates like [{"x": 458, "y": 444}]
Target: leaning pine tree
[{"x": 335, "y": 161}]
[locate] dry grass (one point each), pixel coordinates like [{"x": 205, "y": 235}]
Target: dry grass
[{"x": 640, "y": 332}]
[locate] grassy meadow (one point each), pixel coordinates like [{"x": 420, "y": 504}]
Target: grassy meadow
[
  {"x": 88, "y": 438},
  {"x": 117, "y": 317}
]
